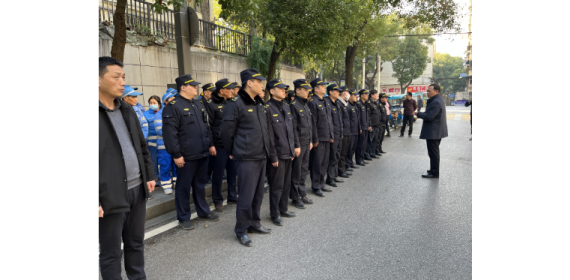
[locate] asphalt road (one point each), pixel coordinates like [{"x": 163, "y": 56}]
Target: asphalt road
[{"x": 385, "y": 222}]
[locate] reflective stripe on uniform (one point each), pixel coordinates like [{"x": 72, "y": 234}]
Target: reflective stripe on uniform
[
  {"x": 154, "y": 137},
  {"x": 162, "y": 147},
  {"x": 152, "y": 144},
  {"x": 145, "y": 124},
  {"x": 158, "y": 121},
  {"x": 162, "y": 183},
  {"x": 157, "y": 127}
]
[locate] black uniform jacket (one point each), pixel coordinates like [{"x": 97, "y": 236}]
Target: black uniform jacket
[
  {"x": 215, "y": 108},
  {"x": 322, "y": 120},
  {"x": 282, "y": 132},
  {"x": 186, "y": 129},
  {"x": 336, "y": 116},
  {"x": 112, "y": 172},
  {"x": 435, "y": 119},
  {"x": 363, "y": 112},
  {"x": 373, "y": 109},
  {"x": 383, "y": 114},
  {"x": 244, "y": 128},
  {"x": 354, "y": 115},
  {"x": 346, "y": 129},
  {"x": 302, "y": 121}
]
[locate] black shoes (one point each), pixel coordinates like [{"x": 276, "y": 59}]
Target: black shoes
[
  {"x": 326, "y": 189},
  {"x": 260, "y": 229},
  {"x": 277, "y": 221},
  {"x": 232, "y": 201},
  {"x": 288, "y": 214},
  {"x": 374, "y": 156},
  {"x": 348, "y": 173},
  {"x": 388, "y": 135},
  {"x": 219, "y": 207},
  {"x": 337, "y": 180},
  {"x": 244, "y": 240},
  {"x": 381, "y": 151},
  {"x": 401, "y": 135},
  {"x": 353, "y": 167},
  {"x": 343, "y": 175},
  {"x": 187, "y": 225},
  {"x": 429, "y": 175},
  {"x": 319, "y": 193},
  {"x": 349, "y": 169},
  {"x": 211, "y": 217},
  {"x": 361, "y": 163},
  {"x": 367, "y": 157},
  {"x": 331, "y": 183},
  {"x": 409, "y": 135},
  {"x": 307, "y": 200},
  {"x": 299, "y": 204}
]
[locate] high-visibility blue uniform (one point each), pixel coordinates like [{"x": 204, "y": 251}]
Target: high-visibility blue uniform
[
  {"x": 165, "y": 161},
  {"x": 151, "y": 140},
  {"x": 142, "y": 120}
]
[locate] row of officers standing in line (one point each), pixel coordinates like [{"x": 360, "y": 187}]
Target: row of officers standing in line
[{"x": 317, "y": 128}]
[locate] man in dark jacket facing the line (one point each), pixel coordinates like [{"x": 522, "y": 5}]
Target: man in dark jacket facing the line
[
  {"x": 434, "y": 128},
  {"x": 126, "y": 177},
  {"x": 246, "y": 139}
]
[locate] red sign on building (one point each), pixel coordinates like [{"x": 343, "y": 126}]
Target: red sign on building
[{"x": 417, "y": 89}]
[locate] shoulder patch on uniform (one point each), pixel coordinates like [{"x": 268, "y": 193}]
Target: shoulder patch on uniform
[
  {"x": 300, "y": 110},
  {"x": 250, "y": 110},
  {"x": 320, "y": 105},
  {"x": 289, "y": 113},
  {"x": 186, "y": 109},
  {"x": 210, "y": 101},
  {"x": 311, "y": 100},
  {"x": 266, "y": 105},
  {"x": 173, "y": 101},
  {"x": 293, "y": 103},
  {"x": 220, "y": 107},
  {"x": 235, "y": 98}
]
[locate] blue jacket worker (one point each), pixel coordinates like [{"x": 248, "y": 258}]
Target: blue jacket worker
[
  {"x": 222, "y": 161},
  {"x": 245, "y": 138},
  {"x": 322, "y": 120},
  {"x": 154, "y": 106},
  {"x": 126, "y": 177},
  {"x": 188, "y": 140},
  {"x": 303, "y": 123},
  {"x": 283, "y": 148},
  {"x": 165, "y": 163},
  {"x": 130, "y": 97}
]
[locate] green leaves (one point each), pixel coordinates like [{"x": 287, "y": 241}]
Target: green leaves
[
  {"x": 446, "y": 71},
  {"x": 411, "y": 61}
]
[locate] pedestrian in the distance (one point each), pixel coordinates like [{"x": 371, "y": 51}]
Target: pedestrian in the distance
[
  {"x": 245, "y": 137},
  {"x": 188, "y": 139},
  {"x": 420, "y": 103},
  {"x": 434, "y": 128},
  {"x": 126, "y": 177},
  {"x": 410, "y": 106},
  {"x": 283, "y": 148}
]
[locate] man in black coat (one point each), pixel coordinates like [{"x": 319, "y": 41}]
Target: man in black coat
[
  {"x": 434, "y": 128},
  {"x": 467, "y": 104},
  {"x": 126, "y": 177},
  {"x": 245, "y": 137}
]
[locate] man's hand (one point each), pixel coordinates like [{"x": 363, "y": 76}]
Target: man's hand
[
  {"x": 370, "y": 129},
  {"x": 213, "y": 151},
  {"x": 297, "y": 152},
  {"x": 332, "y": 140},
  {"x": 415, "y": 113},
  {"x": 150, "y": 185},
  {"x": 315, "y": 144},
  {"x": 310, "y": 146},
  {"x": 179, "y": 162},
  {"x": 101, "y": 212},
  {"x": 231, "y": 157},
  {"x": 275, "y": 164},
  {"x": 361, "y": 131}
]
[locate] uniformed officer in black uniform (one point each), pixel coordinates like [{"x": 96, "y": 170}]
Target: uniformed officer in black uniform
[
  {"x": 322, "y": 120},
  {"x": 383, "y": 121},
  {"x": 373, "y": 107},
  {"x": 222, "y": 161},
  {"x": 245, "y": 137},
  {"x": 346, "y": 131},
  {"x": 205, "y": 96},
  {"x": 334, "y": 155},
  {"x": 303, "y": 122},
  {"x": 188, "y": 140},
  {"x": 283, "y": 148},
  {"x": 362, "y": 145},
  {"x": 355, "y": 129}
]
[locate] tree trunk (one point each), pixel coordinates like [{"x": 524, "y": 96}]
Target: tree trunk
[
  {"x": 205, "y": 10},
  {"x": 349, "y": 61},
  {"x": 273, "y": 64},
  {"x": 120, "y": 38}
]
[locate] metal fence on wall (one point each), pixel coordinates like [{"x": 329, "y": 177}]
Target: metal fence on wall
[{"x": 139, "y": 15}]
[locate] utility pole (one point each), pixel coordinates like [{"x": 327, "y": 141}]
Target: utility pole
[
  {"x": 364, "y": 71},
  {"x": 183, "y": 40}
]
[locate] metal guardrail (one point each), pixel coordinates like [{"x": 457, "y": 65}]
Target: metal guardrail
[{"x": 139, "y": 14}]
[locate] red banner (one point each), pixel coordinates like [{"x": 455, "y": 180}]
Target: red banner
[{"x": 417, "y": 89}]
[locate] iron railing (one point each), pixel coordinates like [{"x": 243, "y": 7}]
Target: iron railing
[{"x": 139, "y": 15}]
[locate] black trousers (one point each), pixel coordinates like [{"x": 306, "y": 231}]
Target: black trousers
[
  {"x": 373, "y": 140},
  {"x": 127, "y": 227},
  {"x": 334, "y": 157},
  {"x": 343, "y": 153},
  {"x": 223, "y": 162},
  {"x": 279, "y": 186},
  {"x": 319, "y": 162},
  {"x": 351, "y": 149},
  {"x": 299, "y": 170},
  {"x": 433, "y": 152},
  {"x": 250, "y": 181},
  {"x": 388, "y": 126},
  {"x": 361, "y": 146},
  {"x": 191, "y": 176},
  {"x": 407, "y": 119},
  {"x": 381, "y": 131}
]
